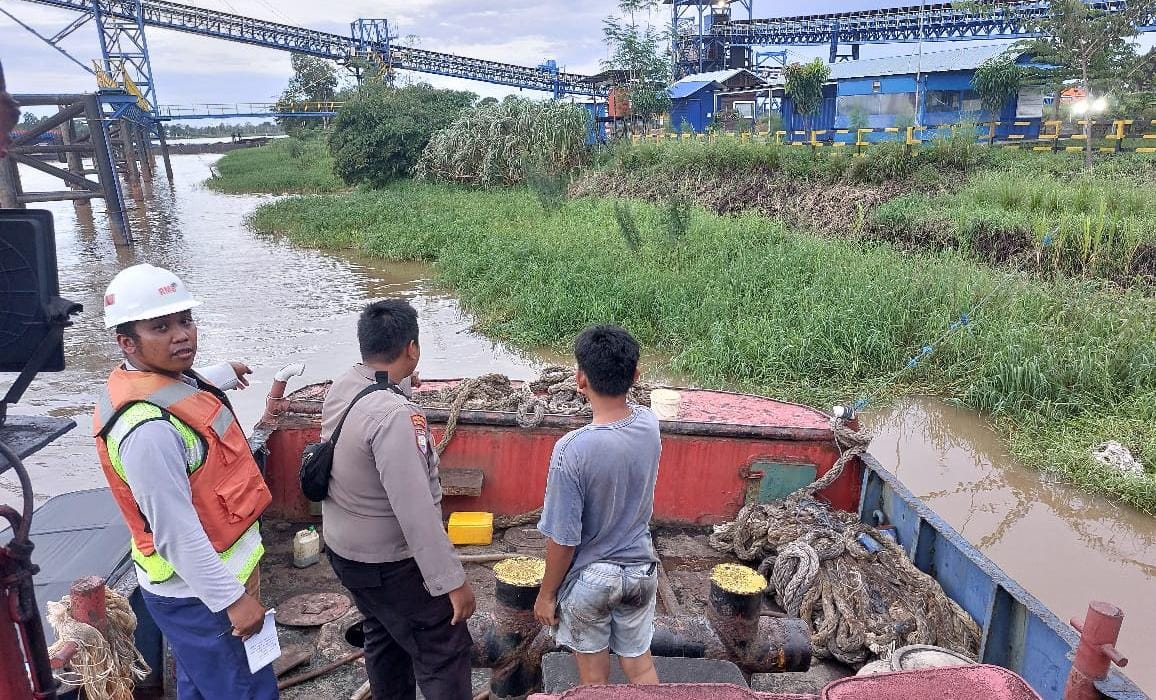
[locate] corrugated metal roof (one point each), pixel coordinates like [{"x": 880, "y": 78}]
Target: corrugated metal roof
[
  {"x": 718, "y": 76},
  {"x": 968, "y": 58},
  {"x": 686, "y": 88}
]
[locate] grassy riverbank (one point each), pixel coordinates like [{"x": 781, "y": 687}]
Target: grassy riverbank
[
  {"x": 741, "y": 301},
  {"x": 285, "y": 166},
  {"x": 1033, "y": 212}
]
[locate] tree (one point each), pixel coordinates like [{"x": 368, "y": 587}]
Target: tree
[
  {"x": 996, "y": 81},
  {"x": 1086, "y": 44},
  {"x": 804, "y": 86},
  {"x": 379, "y": 135},
  {"x": 314, "y": 80},
  {"x": 640, "y": 52}
]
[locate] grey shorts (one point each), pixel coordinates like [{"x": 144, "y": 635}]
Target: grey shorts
[{"x": 609, "y": 606}]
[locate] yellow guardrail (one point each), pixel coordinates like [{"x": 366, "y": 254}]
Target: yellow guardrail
[{"x": 1049, "y": 138}]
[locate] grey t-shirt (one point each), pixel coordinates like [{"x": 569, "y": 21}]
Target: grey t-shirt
[{"x": 600, "y": 491}]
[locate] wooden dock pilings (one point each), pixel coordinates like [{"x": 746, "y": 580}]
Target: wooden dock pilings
[{"x": 88, "y": 143}]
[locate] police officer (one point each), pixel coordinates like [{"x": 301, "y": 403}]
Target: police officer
[
  {"x": 383, "y": 520},
  {"x": 186, "y": 483}
]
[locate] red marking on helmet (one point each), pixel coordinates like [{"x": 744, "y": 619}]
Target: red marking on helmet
[
  {"x": 109, "y": 299},
  {"x": 168, "y": 289}
]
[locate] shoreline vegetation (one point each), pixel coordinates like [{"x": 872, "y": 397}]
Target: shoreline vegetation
[{"x": 808, "y": 278}]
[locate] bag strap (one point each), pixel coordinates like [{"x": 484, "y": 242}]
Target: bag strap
[{"x": 381, "y": 383}]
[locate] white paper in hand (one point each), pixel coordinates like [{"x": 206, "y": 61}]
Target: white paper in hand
[{"x": 263, "y": 648}]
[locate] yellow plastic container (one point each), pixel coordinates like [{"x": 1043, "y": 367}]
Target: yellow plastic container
[{"x": 471, "y": 528}]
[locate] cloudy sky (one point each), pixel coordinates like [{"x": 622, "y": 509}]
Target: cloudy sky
[{"x": 194, "y": 70}]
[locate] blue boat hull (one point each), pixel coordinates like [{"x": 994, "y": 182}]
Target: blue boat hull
[{"x": 1018, "y": 631}]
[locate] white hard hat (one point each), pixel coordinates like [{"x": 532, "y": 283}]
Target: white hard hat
[{"x": 144, "y": 291}]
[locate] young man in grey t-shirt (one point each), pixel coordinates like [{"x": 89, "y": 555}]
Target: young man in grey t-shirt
[{"x": 601, "y": 571}]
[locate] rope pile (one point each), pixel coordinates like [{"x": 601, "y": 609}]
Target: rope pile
[
  {"x": 554, "y": 392},
  {"x": 107, "y": 668},
  {"x": 855, "y": 601}
]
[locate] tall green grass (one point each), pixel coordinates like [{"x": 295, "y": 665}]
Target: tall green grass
[
  {"x": 741, "y": 301},
  {"x": 284, "y": 166},
  {"x": 1091, "y": 226}
]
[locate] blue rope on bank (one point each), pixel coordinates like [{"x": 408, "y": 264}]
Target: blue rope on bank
[{"x": 927, "y": 350}]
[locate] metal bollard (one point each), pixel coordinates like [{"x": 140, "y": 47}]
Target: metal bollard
[
  {"x": 1099, "y": 631},
  {"x": 510, "y": 641}
]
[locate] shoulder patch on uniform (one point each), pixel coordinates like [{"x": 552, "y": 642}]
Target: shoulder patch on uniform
[{"x": 421, "y": 432}]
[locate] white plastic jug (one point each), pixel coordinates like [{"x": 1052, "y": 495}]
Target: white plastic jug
[
  {"x": 664, "y": 403},
  {"x": 306, "y": 548}
]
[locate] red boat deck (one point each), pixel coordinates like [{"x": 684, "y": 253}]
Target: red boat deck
[{"x": 724, "y": 450}]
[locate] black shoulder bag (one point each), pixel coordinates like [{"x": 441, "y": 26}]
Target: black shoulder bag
[{"x": 317, "y": 459}]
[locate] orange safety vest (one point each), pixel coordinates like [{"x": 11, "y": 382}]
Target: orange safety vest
[{"x": 228, "y": 491}]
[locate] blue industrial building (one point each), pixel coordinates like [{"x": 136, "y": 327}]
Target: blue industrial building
[
  {"x": 696, "y": 99},
  {"x": 931, "y": 90}
]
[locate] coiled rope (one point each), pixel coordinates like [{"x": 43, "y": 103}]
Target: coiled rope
[
  {"x": 857, "y": 602},
  {"x": 107, "y": 668},
  {"x": 554, "y": 392}
]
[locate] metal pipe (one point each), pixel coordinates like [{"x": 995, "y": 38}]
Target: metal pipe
[
  {"x": 16, "y": 570},
  {"x": 1099, "y": 632},
  {"x": 87, "y": 603}
]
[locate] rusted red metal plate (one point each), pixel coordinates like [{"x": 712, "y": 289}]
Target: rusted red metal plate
[
  {"x": 954, "y": 683},
  {"x": 704, "y": 476},
  {"x": 667, "y": 691}
]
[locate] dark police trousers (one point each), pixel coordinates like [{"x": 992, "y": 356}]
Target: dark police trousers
[{"x": 409, "y": 641}]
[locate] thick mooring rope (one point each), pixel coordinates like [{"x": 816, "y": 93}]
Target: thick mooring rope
[
  {"x": 107, "y": 668},
  {"x": 554, "y": 392},
  {"x": 857, "y": 602}
]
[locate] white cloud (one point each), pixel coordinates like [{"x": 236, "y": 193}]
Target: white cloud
[{"x": 190, "y": 68}]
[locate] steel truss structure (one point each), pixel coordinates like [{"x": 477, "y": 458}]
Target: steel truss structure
[
  {"x": 697, "y": 49},
  {"x": 928, "y": 22},
  {"x": 367, "y": 36}
]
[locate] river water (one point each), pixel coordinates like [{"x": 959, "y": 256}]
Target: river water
[{"x": 270, "y": 304}]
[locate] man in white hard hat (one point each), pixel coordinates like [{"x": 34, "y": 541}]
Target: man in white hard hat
[{"x": 181, "y": 471}]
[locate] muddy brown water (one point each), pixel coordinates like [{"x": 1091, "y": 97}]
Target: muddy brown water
[{"x": 270, "y": 304}]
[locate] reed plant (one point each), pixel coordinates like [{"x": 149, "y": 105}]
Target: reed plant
[
  {"x": 741, "y": 301},
  {"x": 502, "y": 143}
]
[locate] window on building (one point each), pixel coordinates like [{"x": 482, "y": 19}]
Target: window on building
[
  {"x": 745, "y": 109},
  {"x": 971, "y": 102},
  {"x": 943, "y": 101},
  {"x": 899, "y": 103},
  {"x": 876, "y": 86}
]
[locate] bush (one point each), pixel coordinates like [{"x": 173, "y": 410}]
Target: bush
[
  {"x": 379, "y": 135},
  {"x": 509, "y": 142}
]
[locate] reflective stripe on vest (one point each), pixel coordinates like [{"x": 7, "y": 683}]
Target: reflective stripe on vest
[
  {"x": 139, "y": 413},
  {"x": 240, "y": 560},
  {"x": 243, "y": 556}
]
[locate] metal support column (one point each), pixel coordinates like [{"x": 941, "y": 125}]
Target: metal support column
[
  {"x": 10, "y": 191},
  {"x": 75, "y": 162},
  {"x": 103, "y": 158},
  {"x": 144, "y": 152},
  {"x": 128, "y": 153},
  {"x": 165, "y": 151}
]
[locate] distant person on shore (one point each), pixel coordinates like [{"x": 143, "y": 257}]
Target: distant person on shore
[
  {"x": 9, "y": 115},
  {"x": 601, "y": 577},
  {"x": 181, "y": 471},
  {"x": 383, "y": 518}
]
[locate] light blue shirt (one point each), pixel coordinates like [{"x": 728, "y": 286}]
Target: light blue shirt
[
  {"x": 600, "y": 491},
  {"x": 156, "y": 469}
]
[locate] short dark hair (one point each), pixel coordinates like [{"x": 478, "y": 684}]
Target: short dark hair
[
  {"x": 608, "y": 356},
  {"x": 385, "y": 329},
  {"x": 128, "y": 328}
]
